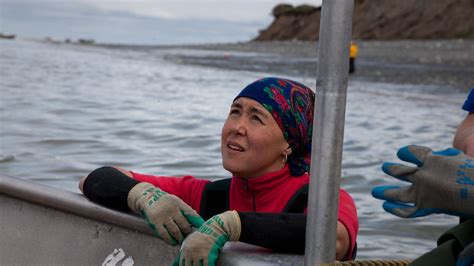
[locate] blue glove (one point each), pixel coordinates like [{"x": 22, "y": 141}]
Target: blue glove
[{"x": 442, "y": 182}]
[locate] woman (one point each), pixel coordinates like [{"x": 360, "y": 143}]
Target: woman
[{"x": 266, "y": 145}]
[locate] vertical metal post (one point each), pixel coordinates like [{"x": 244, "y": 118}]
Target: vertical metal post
[{"x": 328, "y": 130}]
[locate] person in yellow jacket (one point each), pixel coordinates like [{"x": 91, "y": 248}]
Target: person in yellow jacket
[{"x": 354, "y": 50}]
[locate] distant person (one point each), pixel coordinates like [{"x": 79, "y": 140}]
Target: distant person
[
  {"x": 266, "y": 146},
  {"x": 353, "y": 52},
  {"x": 441, "y": 182}
]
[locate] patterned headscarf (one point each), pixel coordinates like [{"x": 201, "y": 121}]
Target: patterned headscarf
[{"x": 291, "y": 105}]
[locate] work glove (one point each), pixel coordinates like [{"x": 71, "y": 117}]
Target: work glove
[
  {"x": 203, "y": 246},
  {"x": 167, "y": 215},
  {"x": 442, "y": 182}
]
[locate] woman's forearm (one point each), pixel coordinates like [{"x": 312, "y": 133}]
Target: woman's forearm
[
  {"x": 285, "y": 232},
  {"x": 278, "y": 232},
  {"x": 108, "y": 186}
]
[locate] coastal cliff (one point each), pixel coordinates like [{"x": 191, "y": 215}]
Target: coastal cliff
[{"x": 379, "y": 20}]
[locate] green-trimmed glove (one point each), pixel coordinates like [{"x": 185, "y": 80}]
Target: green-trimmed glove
[
  {"x": 443, "y": 182},
  {"x": 167, "y": 215},
  {"x": 204, "y": 245}
]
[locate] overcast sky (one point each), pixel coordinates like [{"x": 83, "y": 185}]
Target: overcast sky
[{"x": 140, "y": 21}]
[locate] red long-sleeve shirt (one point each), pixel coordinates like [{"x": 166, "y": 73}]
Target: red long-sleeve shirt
[{"x": 268, "y": 193}]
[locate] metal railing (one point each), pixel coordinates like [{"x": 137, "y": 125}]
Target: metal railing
[{"x": 328, "y": 130}]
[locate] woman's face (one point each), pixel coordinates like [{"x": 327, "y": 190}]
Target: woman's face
[{"x": 252, "y": 143}]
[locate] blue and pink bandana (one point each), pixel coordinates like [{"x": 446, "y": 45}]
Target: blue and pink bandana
[{"x": 291, "y": 105}]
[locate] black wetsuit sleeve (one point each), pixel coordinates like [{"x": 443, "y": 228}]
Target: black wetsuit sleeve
[
  {"x": 281, "y": 232},
  {"x": 109, "y": 187}
]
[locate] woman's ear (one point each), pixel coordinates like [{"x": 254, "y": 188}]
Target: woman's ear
[{"x": 288, "y": 150}]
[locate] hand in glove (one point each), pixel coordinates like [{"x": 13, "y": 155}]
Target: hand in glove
[
  {"x": 442, "y": 182},
  {"x": 204, "y": 245},
  {"x": 167, "y": 215}
]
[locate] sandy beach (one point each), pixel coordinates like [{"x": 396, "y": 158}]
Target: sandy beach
[{"x": 444, "y": 63}]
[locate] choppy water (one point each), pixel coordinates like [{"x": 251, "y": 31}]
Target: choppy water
[{"x": 66, "y": 110}]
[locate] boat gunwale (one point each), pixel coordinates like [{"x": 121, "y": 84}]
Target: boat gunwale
[{"x": 69, "y": 202}]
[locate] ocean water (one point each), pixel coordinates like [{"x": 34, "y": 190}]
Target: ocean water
[{"x": 67, "y": 109}]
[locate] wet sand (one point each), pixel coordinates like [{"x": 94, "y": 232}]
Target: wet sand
[{"x": 443, "y": 63}]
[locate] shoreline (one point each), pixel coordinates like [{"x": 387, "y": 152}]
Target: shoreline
[
  {"x": 423, "y": 62},
  {"x": 439, "y": 63}
]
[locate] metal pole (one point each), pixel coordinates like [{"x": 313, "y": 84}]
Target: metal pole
[{"x": 328, "y": 131}]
